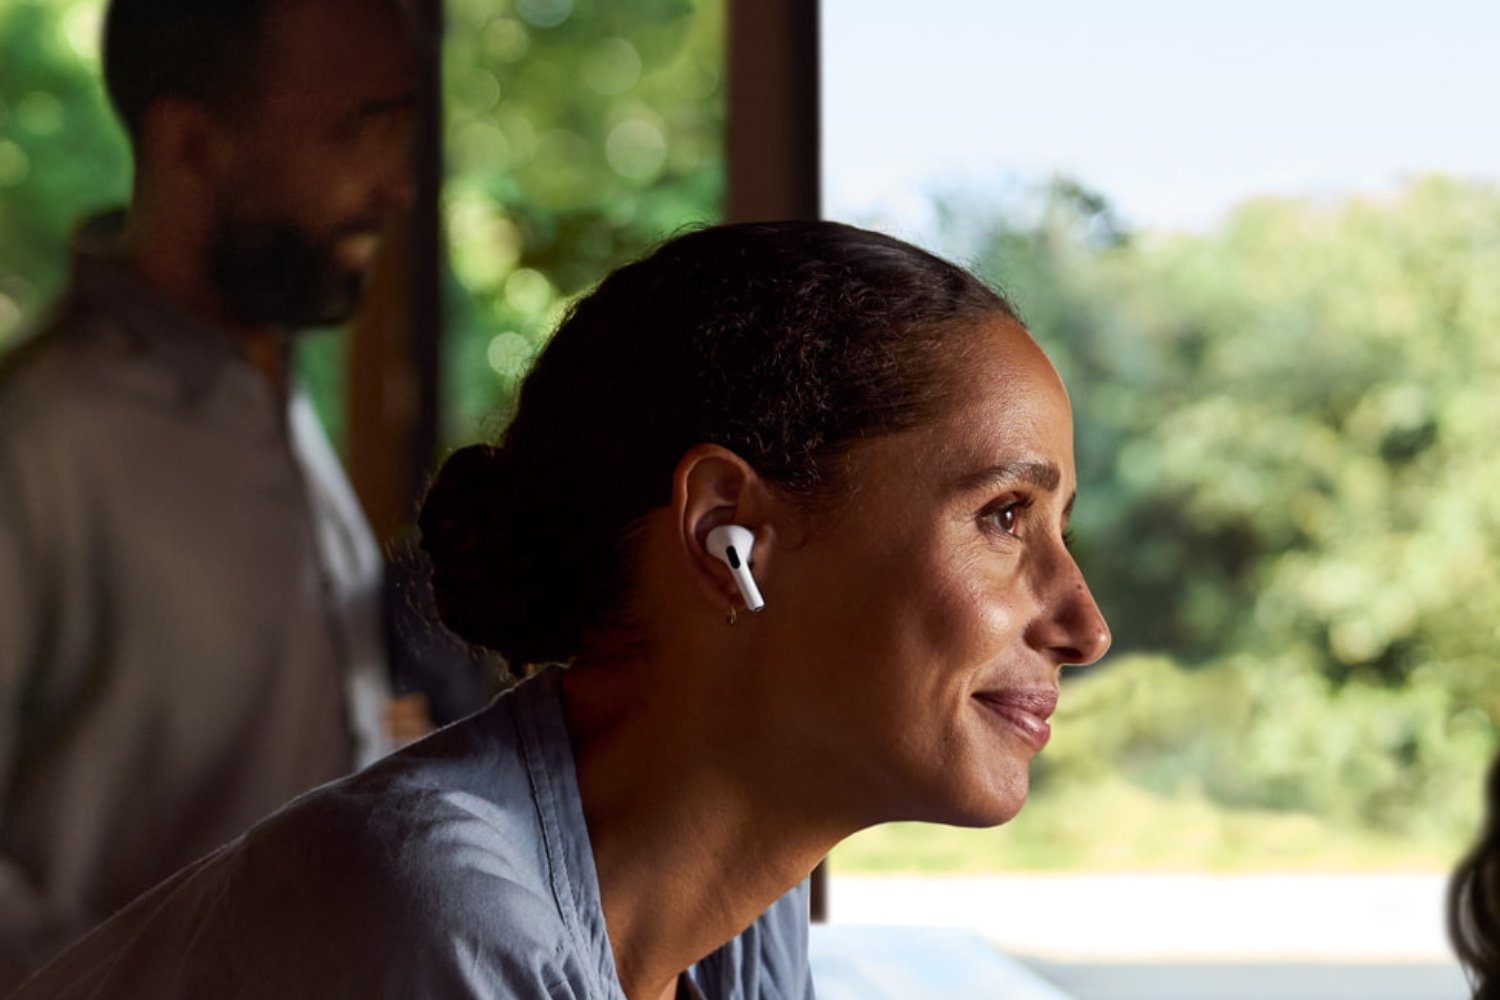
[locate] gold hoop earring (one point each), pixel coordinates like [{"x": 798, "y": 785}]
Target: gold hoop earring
[{"x": 732, "y": 616}]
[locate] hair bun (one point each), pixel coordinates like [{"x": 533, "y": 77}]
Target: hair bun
[{"x": 473, "y": 531}]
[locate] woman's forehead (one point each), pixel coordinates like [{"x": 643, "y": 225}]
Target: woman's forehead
[
  {"x": 1005, "y": 408},
  {"x": 997, "y": 368}
]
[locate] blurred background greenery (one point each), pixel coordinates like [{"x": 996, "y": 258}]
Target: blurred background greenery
[
  {"x": 1286, "y": 428},
  {"x": 1287, "y": 446}
]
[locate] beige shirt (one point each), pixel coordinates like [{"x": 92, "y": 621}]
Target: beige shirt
[{"x": 189, "y": 607}]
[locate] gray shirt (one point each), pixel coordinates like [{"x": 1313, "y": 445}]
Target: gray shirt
[
  {"x": 189, "y": 606},
  {"x": 458, "y": 868}
]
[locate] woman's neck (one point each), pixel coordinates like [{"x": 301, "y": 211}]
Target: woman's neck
[{"x": 688, "y": 842}]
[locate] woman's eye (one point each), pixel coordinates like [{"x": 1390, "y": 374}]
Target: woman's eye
[{"x": 1002, "y": 516}]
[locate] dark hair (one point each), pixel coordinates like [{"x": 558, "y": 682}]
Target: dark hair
[
  {"x": 206, "y": 50},
  {"x": 1474, "y": 902},
  {"x": 787, "y": 343}
]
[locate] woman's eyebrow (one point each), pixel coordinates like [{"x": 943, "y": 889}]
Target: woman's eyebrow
[{"x": 1043, "y": 475}]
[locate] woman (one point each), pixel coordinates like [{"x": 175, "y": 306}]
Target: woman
[
  {"x": 898, "y": 453},
  {"x": 1474, "y": 903}
]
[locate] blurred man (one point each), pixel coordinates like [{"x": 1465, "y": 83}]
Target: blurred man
[{"x": 189, "y": 623}]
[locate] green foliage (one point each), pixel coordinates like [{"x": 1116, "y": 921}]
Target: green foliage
[
  {"x": 1287, "y": 474},
  {"x": 578, "y": 137},
  {"x": 61, "y": 156},
  {"x": 1271, "y": 734},
  {"x": 1286, "y": 427}
]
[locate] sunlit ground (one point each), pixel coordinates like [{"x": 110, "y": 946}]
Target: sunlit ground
[{"x": 1155, "y": 936}]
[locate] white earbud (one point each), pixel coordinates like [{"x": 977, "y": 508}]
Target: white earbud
[{"x": 732, "y": 544}]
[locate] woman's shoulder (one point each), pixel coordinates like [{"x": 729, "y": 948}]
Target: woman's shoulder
[
  {"x": 271, "y": 918},
  {"x": 430, "y": 893},
  {"x": 429, "y": 869},
  {"x": 425, "y": 874},
  {"x": 452, "y": 814}
]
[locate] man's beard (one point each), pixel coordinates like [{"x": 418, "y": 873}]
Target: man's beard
[{"x": 271, "y": 271}]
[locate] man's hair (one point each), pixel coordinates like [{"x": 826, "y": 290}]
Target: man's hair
[{"x": 203, "y": 50}]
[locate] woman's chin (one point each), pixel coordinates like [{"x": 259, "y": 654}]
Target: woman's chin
[
  {"x": 983, "y": 804},
  {"x": 995, "y": 813}
]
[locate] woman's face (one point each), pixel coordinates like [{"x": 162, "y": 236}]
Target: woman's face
[{"x": 928, "y": 614}]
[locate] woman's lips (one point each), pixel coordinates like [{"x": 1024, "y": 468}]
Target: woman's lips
[{"x": 1025, "y": 710}]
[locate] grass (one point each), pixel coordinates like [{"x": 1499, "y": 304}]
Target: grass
[{"x": 1116, "y": 826}]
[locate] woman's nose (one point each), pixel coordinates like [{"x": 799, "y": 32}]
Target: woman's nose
[
  {"x": 1071, "y": 629},
  {"x": 1092, "y": 631}
]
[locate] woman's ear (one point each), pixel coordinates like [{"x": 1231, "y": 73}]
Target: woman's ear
[{"x": 713, "y": 488}]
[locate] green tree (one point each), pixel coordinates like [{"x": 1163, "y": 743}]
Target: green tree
[
  {"x": 1287, "y": 464},
  {"x": 578, "y": 137},
  {"x": 61, "y": 155}
]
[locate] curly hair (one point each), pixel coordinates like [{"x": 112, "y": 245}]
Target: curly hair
[
  {"x": 1474, "y": 902},
  {"x": 787, "y": 343}
]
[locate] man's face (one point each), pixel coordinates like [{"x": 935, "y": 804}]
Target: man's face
[{"x": 319, "y": 164}]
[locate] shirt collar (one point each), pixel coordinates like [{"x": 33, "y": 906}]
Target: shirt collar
[{"x": 575, "y": 882}]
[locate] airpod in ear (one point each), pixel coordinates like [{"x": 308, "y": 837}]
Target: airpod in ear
[{"x": 732, "y": 543}]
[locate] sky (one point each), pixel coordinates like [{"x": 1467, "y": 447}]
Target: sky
[{"x": 1174, "y": 109}]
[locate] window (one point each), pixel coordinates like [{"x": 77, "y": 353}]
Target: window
[{"x": 1259, "y": 241}]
